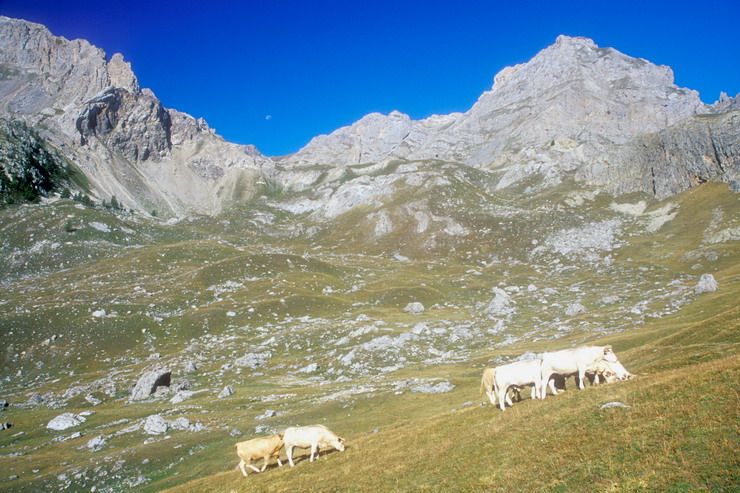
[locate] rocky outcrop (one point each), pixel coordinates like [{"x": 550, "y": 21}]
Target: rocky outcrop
[
  {"x": 575, "y": 109},
  {"x": 118, "y": 134},
  {"x": 148, "y": 383},
  {"x": 136, "y": 126},
  {"x": 694, "y": 151}
]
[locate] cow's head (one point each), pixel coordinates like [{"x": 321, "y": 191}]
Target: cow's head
[
  {"x": 609, "y": 355},
  {"x": 339, "y": 444}
]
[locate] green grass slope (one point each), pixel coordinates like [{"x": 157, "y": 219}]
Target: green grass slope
[{"x": 680, "y": 433}]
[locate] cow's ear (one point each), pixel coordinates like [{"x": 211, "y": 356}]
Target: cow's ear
[{"x": 607, "y": 349}]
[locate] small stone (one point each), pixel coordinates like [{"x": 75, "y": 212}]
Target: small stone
[
  {"x": 614, "y": 404},
  {"x": 93, "y": 400},
  {"x": 226, "y": 392}
]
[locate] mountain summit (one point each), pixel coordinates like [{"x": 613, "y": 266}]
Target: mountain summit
[{"x": 575, "y": 109}]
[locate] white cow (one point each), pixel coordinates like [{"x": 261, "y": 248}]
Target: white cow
[
  {"x": 517, "y": 375},
  {"x": 314, "y": 436},
  {"x": 611, "y": 372},
  {"x": 573, "y": 362}
]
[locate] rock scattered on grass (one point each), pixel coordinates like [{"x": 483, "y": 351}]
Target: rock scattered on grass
[
  {"x": 707, "y": 284},
  {"x": 614, "y": 404},
  {"x": 64, "y": 421},
  {"x": 226, "y": 392},
  {"x": 149, "y": 382},
  {"x": 414, "y": 308},
  {"x": 97, "y": 443},
  {"x": 155, "y": 425}
]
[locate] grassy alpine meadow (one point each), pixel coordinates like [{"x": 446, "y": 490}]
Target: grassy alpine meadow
[
  {"x": 311, "y": 323},
  {"x": 679, "y": 430}
]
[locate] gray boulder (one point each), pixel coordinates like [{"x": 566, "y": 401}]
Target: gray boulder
[
  {"x": 414, "y": 308},
  {"x": 64, "y": 421},
  {"x": 575, "y": 309},
  {"x": 226, "y": 392},
  {"x": 96, "y": 443},
  {"x": 149, "y": 382},
  {"x": 706, "y": 284},
  {"x": 155, "y": 425}
]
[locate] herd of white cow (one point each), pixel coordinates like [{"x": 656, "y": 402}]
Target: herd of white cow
[{"x": 593, "y": 362}]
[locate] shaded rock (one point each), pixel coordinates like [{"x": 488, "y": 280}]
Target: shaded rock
[
  {"x": 706, "y": 284},
  {"x": 226, "y": 392},
  {"x": 149, "y": 382},
  {"x": 267, "y": 414},
  {"x": 614, "y": 404},
  {"x": 181, "y": 396},
  {"x": 309, "y": 368},
  {"x": 575, "y": 309},
  {"x": 500, "y": 305},
  {"x": 181, "y": 424},
  {"x": 253, "y": 360},
  {"x": 438, "y": 388},
  {"x": 414, "y": 308},
  {"x": 190, "y": 367},
  {"x": 93, "y": 400},
  {"x": 155, "y": 425},
  {"x": 64, "y": 421},
  {"x": 235, "y": 433},
  {"x": 96, "y": 443}
]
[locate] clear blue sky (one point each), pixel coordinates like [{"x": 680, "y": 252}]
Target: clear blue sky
[{"x": 314, "y": 66}]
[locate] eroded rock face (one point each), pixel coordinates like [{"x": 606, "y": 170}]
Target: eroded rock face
[
  {"x": 149, "y": 382},
  {"x": 136, "y": 126},
  {"x": 119, "y": 135}
]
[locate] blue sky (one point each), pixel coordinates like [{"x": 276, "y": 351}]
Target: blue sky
[{"x": 277, "y": 73}]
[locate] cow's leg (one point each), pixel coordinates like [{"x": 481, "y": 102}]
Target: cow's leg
[
  {"x": 241, "y": 466},
  {"x": 491, "y": 396},
  {"x": 581, "y": 376},
  {"x": 289, "y": 453},
  {"x": 313, "y": 451},
  {"x": 508, "y": 398},
  {"x": 280, "y": 464},
  {"x": 502, "y": 398},
  {"x": 264, "y": 466},
  {"x": 533, "y": 392},
  {"x": 551, "y": 383},
  {"x": 253, "y": 468}
]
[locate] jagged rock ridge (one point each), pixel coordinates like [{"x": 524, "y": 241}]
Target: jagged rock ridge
[
  {"x": 118, "y": 134},
  {"x": 575, "y": 109}
]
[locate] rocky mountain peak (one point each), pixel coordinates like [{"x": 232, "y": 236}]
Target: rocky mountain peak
[{"x": 121, "y": 75}]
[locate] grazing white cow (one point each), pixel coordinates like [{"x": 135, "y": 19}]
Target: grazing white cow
[
  {"x": 573, "y": 362},
  {"x": 314, "y": 436},
  {"x": 609, "y": 372},
  {"x": 517, "y": 375},
  {"x": 259, "y": 448}
]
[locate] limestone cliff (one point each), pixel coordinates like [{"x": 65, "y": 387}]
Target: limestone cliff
[{"x": 94, "y": 111}]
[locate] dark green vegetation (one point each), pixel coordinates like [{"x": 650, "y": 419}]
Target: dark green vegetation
[
  {"x": 305, "y": 317},
  {"x": 29, "y": 168}
]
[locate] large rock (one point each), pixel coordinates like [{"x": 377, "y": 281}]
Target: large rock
[
  {"x": 148, "y": 383},
  {"x": 706, "y": 284},
  {"x": 155, "y": 425},
  {"x": 64, "y": 421}
]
